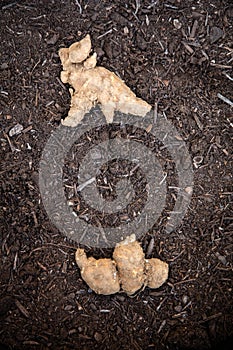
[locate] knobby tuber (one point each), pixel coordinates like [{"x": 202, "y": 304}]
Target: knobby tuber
[
  {"x": 130, "y": 261},
  {"x": 93, "y": 85},
  {"x": 127, "y": 271},
  {"x": 156, "y": 271},
  {"x": 94, "y": 272}
]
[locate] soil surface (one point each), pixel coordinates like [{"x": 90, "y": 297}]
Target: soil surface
[{"x": 176, "y": 55}]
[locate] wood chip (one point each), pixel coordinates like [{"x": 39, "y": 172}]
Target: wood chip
[
  {"x": 150, "y": 247},
  {"x": 198, "y": 122},
  {"x": 217, "y": 65},
  {"x": 22, "y": 309},
  {"x": 188, "y": 48},
  {"x": 194, "y": 28},
  {"x": 17, "y": 129},
  {"x": 225, "y": 99}
]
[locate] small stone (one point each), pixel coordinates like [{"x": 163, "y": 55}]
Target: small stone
[
  {"x": 221, "y": 258},
  {"x": 120, "y": 298},
  {"x": 53, "y": 39},
  {"x": 99, "y": 52},
  {"x": 80, "y": 308},
  {"x": 229, "y": 12},
  {"x": 71, "y": 296},
  {"x": 108, "y": 50},
  {"x": 17, "y": 129},
  {"x": 68, "y": 307},
  {"x": 4, "y": 66},
  {"x": 98, "y": 337},
  {"x": 184, "y": 299},
  {"x": 93, "y": 307},
  {"x": 141, "y": 43},
  {"x": 215, "y": 34},
  {"x": 189, "y": 190},
  {"x": 177, "y": 24},
  {"x": 178, "y": 308}
]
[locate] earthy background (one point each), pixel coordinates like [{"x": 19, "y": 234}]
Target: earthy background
[{"x": 176, "y": 55}]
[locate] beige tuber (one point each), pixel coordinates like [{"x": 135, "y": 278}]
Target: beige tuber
[
  {"x": 94, "y": 272},
  {"x": 127, "y": 271},
  {"x": 93, "y": 85}
]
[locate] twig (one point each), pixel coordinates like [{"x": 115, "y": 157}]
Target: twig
[
  {"x": 61, "y": 83},
  {"x": 185, "y": 281},
  {"x": 194, "y": 28},
  {"x": 211, "y": 317},
  {"x": 188, "y": 48},
  {"x": 15, "y": 261},
  {"x": 217, "y": 65},
  {"x": 228, "y": 76},
  {"x": 162, "y": 181},
  {"x": 133, "y": 170},
  {"x": 85, "y": 184},
  {"x": 137, "y": 6},
  {"x": 198, "y": 122},
  {"x": 22, "y": 309},
  {"x": 225, "y": 99},
  {"x": 102, "y": 231},
  {"x": 150, "y": 247},
  {"x": 102, "y": 35},
  {"x": 171, "y": 6},
  {"x": 162, "y": 302},
  {"x": 206, "y": 19},
  {"x": 152, "y": 4},
  {"x": 155, "y": 112},
  {"x": 161, "y": 326},
  {"x": 13, "y": 149},
  {"x": 80, "y": 7},
  {"x": 9, "y": 5}
]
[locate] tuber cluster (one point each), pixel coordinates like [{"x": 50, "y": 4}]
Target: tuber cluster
[
  {"x": 127, "y": 271},
  {"x": 93, "y": 85}
]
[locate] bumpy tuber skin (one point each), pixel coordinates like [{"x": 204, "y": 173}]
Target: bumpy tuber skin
[
  {"x": 129, "y": 269},
  {"x": 156, "y": 272},
  {"x": 93, "y": 85},
  {"x": 100, "y": 275},
  {"x": 129, "y": 258}
]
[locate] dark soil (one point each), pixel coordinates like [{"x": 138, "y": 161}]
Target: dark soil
[{"x": 176, "y": 55}]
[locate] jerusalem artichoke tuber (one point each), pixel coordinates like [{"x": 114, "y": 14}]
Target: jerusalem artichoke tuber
[
  {"x": 93, "y": 85},
  {"x": 100, "y": 275},
  {"x": 128, "y": 270}
]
